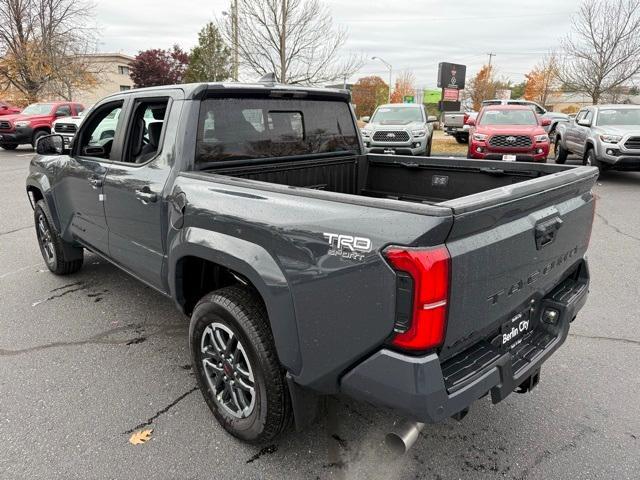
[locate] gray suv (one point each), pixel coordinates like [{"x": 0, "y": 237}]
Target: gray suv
[
  {"x": 399, "y": 128},
  {"x": 604, "y": 136}
]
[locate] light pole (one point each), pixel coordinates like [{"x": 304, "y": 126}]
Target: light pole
[
  {"x": 390, "y": 71},
  {"x": 234, "y": 35}
]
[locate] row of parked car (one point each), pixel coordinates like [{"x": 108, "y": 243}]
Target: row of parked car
[
  {"x": 26, "y": 127},
  {"x": 605, "y": 136}
]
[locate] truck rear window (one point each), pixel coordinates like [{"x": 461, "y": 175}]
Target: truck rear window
[{"x": 250, "y": 128}]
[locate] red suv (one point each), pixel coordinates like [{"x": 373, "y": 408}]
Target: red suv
[
  {"x": 34, "y": 122},
  {"x": 7, "y": 109},
  {"x": 510, "y": 133}
]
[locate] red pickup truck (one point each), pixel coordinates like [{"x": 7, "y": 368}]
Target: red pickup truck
[
  {"x": 510, "y": 133},
  {"x": 34, "y": 122}
]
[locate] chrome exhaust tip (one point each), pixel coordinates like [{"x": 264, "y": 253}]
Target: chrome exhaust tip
[{"x": 402, "y": 438}]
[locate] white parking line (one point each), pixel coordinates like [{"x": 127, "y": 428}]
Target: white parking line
[{"x": 19, "y": 270}]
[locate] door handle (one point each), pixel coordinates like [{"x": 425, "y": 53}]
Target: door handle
[
  {"x": 146, "y": 196},
  {"x": 95, "y": 182}
]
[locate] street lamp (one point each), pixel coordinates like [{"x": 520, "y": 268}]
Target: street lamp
[
  {"x": 234, "y": 34},
  {"x": 390, "y": 70}
]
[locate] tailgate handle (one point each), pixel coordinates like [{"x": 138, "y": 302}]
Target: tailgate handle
[{"x": 546, "y": 232}]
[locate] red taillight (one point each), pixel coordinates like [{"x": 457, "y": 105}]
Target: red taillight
[
  {"x": 465, "y": 118},
  {"x": 429, "y": 269}
]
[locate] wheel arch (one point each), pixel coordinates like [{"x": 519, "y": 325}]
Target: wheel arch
[{"x": 205, "y": 260}]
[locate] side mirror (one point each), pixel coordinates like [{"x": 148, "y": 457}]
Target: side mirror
[
  {"x": 545, "y": 122},
  {"x": 432, "y": 119},
  {"x": 4, "y": 107},
  {"x": 470, "y": 121},
  {"x": 366, "y": 119},
  {"x": 50, "y": 145}
]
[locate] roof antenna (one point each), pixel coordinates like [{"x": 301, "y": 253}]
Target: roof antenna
[{"x": 268, "y": 78}]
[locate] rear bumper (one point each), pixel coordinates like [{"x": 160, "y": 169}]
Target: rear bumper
[{"x": 428, "y": 390}]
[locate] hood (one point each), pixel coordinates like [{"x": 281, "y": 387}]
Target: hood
[
  {"x": 19, "y": 116},
  {"x": 396, "y": 126},
  {"x": 75, "y": 120},
  {"x": 619, "y": 129},
  {"x": 510, "y": 129},
  {"x": 556, "y": 115}
]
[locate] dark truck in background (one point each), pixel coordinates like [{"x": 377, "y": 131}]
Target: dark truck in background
[{"x": 309, "y": 268}]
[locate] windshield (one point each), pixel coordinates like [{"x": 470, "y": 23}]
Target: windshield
[
  {"x": 508, "y": 117},
  {"x": 397, "y": 115},
  {"x": 619, "y": 116},
  {"x": 38, "y": 109}
]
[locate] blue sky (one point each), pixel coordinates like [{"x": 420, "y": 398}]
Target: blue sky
[{"x": 411, "y": 35}]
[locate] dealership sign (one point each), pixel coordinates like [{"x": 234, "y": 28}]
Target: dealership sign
[{"x": 451, "y": 75}]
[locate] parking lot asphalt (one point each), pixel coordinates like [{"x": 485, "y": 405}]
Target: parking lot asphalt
[{"x": 87, "y": 359}]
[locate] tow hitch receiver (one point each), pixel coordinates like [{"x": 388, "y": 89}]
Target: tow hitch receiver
[{"x": 530, "y": 383}]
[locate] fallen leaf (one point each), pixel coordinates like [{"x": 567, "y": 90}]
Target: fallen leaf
[{"x": 141, "y": 436}]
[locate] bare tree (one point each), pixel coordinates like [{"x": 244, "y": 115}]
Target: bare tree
[
  {"x": 294, "y": 39},
  {"x": 603, "y": 51},
  {"x": 40, "y": 41}
]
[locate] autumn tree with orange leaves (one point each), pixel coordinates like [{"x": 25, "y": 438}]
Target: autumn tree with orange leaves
[
  {"x": 405, "y": 85},
  {"x": 367, "y": 93},
  {"x": 40, "y": 44},
  {"x": 482, "y": 87},
  {"x": 542, "y": 81}
]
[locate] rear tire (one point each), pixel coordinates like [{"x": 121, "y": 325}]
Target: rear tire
[
  {"x": 236, "y": 365},
  {"x": 9, "y": 146},
  {"x": 560, "y": 153},
  {"x": 55, "y": 251}
]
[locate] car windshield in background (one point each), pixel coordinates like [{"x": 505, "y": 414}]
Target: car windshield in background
[
  {"x": 508, "y": 117},
  {"x": 38, "y": 109},
  {"x": 618, "y": 116},
  {"x": 397, "y": 115},
  {"x": 245, "y": 128}
]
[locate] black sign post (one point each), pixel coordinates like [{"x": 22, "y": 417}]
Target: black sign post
[{"x": 451, "y": 76}]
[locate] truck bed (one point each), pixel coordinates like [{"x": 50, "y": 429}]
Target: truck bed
[{"x": 428, "y": 180}]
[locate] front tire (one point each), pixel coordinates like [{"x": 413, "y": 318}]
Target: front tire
[
  {"x": 236, "y": 365},
  {"x": 9, "y": 146},
  {"x": 428, "y": 149},
  {"x": 61, "y": 257},
  {"x": 37, "y": 136},
  {"x": 591, "y": 160},
  {"x": 560, "y": 153}
]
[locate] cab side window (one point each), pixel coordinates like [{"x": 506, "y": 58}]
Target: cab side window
[
  {"x": 63, "y": 111},
  {"x": 146, "y": 130},
  {"x": 98, "y": 135}
]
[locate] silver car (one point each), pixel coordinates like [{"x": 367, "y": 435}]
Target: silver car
[
  {"x": 604, "y": 136},
  {"x": 399, "y": 129}
]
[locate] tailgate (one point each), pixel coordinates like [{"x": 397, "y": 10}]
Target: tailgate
[
  {"x": 510, "y": 246},
  {"x": 454, "y": 119}
]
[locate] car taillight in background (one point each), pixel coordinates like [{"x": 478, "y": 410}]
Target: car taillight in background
[{"x": 423, "y": 287}]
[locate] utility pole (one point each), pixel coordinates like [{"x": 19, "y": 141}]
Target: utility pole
[
  {"x": 283, "y": 43},
  {"x": 490, "y": 56},
  {"x": 388, "y": 65},
  {"x": 234, "y": 19},
  {"x": 234, "y": 38}
]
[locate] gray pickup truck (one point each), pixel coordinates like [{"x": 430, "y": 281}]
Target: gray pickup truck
[
  {"x": 399, "y": 128},
  {"x": 603, "y": 136},
  {"x": 309, "y": 268}
]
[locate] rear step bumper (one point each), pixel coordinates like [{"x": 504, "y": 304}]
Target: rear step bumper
[{"x": 426, "y": 390}]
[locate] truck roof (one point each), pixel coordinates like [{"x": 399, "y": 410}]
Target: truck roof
[{"x": 199, "y": 90}]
